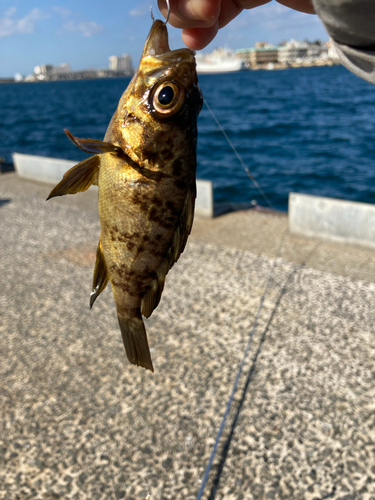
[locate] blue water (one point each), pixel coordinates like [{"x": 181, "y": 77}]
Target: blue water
[{"x": 309, "y": 130}]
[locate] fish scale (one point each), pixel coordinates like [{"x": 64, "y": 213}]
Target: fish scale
[{"x": 145, "y": 171}]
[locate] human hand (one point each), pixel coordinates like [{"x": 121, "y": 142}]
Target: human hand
[{"x": 200, "y": 20}]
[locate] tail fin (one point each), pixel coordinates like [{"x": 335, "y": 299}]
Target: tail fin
[{"x": 135, "y": 341}]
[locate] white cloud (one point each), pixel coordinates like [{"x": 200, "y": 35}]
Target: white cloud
[
  {"x": 87, "y": 28},
  {"x": 10, "y": 12},
  {"x": 141, "y": 10},
  {"x": 65, "y": 13},
  {"x": 9, "y": 25}
]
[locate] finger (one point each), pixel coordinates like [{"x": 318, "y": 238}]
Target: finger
[
  {"x": 191, "y": 13},
  {"x": 201, "y": 19},
  {"x": 199, "y": 38}
]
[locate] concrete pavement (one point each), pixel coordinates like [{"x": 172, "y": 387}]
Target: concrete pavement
[{"x": 79, "y": 422}]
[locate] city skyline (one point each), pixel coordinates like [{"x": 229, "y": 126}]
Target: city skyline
[{"x": 86, "y": 35}]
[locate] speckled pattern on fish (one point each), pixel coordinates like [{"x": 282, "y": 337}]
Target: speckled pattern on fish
[{"x": 145, "y": 170}]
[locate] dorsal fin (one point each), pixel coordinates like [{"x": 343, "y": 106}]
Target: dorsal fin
[{"x": 93, "y": 145}]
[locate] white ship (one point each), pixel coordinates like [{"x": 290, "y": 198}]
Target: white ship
[{"x": 219, "y": 61}]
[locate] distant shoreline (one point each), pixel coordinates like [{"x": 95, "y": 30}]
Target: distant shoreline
[
  {"x": 303, "y": 64},
  {"x": 74, "y": 76},
  {"x": 268, "y": 67}
]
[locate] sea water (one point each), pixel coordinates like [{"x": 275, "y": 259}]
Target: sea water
[{"x": 307, "y": 130}]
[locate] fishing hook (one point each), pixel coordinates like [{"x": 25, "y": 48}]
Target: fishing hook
[{"x": 169, "y": 11}]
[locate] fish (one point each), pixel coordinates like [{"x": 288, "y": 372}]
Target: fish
[{"x": 145, "y": 170}]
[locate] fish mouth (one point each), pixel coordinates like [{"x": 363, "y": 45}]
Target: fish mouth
[{"x": 157, "y": 45}]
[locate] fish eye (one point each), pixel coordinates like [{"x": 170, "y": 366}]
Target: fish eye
[
  {"x": 166, "y": 95},
  {"x": 167, "y": 98}
]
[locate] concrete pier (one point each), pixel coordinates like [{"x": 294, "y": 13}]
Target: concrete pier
[
  {"x": 80, "y": 422},
  {"x": 333, "y": 220},
  {"x": 41, "y": 168}
]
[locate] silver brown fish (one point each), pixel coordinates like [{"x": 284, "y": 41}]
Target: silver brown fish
[{"x": 145, "y": 172}]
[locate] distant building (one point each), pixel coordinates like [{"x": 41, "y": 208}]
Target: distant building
[
  {"x": 293, "y": 51},
  {"x": 262, "y": 54},
  {"x": 50, "y": 72},
  {"x": 61, "y": 69},
  {"x": 317, "y": 51},
  {"x": 121, "y": 63},
  {"x": 296, "y": 52},
  {"x": 41, "y": 71}
]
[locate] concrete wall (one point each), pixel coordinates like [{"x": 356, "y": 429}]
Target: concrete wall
[
  {"x": 204, "y": 204},
  {"x": 332, "y": 220},
  {"x": 51, "y": 170},
  {"x": 40, "y": 168}
]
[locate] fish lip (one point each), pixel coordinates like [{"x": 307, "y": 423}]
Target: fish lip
[
  {"x": 157, "y": 45},
  {"x": 157, "y": 40}
]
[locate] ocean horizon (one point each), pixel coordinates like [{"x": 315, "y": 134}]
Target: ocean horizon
[{"x": 307, "y": 130}]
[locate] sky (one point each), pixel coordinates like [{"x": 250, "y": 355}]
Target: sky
[{"x": 84, "y": 33}]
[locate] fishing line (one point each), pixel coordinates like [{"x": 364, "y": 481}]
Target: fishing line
[
  {"x": 209, "y": 465},
  {"x": 239, "y": 157},
  {"x": 230, "y": 401}
]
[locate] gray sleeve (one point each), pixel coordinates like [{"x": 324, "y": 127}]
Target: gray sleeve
[{"x": 351, "y": 26}]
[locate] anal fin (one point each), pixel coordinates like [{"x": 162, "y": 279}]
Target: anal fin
[
  {"x": 153, "y": 295},
  {"x": 100, "y": 279},
  {"x": 78, "y": 178},
  {"x": 135, "y": 341}
]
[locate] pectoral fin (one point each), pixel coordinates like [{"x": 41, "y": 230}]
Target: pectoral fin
[
  {"x": 135, "y": 341},
  {"x": 78, "y": 178},
  {"x": 93, "y": 145},
  {"x": 152, "y": 298},
  {"x": 100, "y": 279}
]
